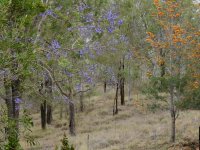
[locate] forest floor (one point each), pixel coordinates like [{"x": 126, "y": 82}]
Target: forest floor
[{"x": 134, "y": 128}]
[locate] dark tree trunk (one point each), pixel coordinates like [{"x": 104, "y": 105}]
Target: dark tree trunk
[
  {"x": 115, "y": 107},
  {"x": 43, "y": 114},
  {"x": 49, "y": 92},
  {"x": 162, "y": 65},
  {"x": 72, "y": 118},
  {"x": 71, "y": 114},
  {"x": 15, "y": 85},
  {"x": 122, "y": 91},
  {"x": 49, "y": 114},
  {"x": 105, "y": 86},
  {"x": 122, "y": 82},
  {"x": 173, "y": 115}
]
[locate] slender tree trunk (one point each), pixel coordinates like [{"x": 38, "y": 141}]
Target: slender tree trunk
[
  {"x": 129, "y": 82},
  {"x": 15, "y": 96},
  {"x": 43, "y": 114},
  {"x": 173, "y": 115},
  {"x": 71, "y": 114},
  {"x": 162, "y": 65},
  {"x": 72, "y": 118},
  {"x": 49, "y": 92},
  {"x": 15, "y": 85},
  {"x": 122, "y": 92},
  {"x": 115, "y": 107},
  {"x": 105, "y": 86},
  {"x": 81, "y": 102},
  {"x": 122, "y": 80},
  {"x": 49, "y": 114}
]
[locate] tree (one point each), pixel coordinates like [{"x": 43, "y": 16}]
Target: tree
[
  {"x": 170, "y": 45},
  {"x": 16, "y": 56}
]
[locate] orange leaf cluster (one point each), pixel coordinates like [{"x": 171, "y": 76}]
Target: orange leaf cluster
[
  {"x": 195, "y": 84},
  {"x": 149, "y": 74}
]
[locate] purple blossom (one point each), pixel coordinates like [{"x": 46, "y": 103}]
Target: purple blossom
[
  {"x": 48, "y": 12},
  {"x": 59, "y": 7},
  {"x": 128, "y": 55},
  {"x": 97, "y": 47},
  {"x": 48, "y": 56},
  {"x": 89, "y": 80},
  {"x": 55, "y": 44},
  {"x": 69, "y": 74},
  {"x": 78, "y": 87},
  {"x": 123, "y": 38},
  {"x": 18, "y": 100},
  {"x": 86, "y": 31},
  {"x": 98, "y": 30},
  {"x": 81, "y": 52},
  {"x": 91, "y": 55},
  {"x": 110, "y": 16},
  {"x": 89, "y": 17},
  {"x": 120, "y": 22},
  {"x": 110, "y": 29},
  {"x": 82, "y": 7}
]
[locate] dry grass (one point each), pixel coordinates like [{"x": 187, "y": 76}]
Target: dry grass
[{"x": 134, "y": 128}]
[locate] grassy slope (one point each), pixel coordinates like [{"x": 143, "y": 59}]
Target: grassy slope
[{"x": 134, "y": 128}]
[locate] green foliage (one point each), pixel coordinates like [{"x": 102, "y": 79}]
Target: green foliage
[
  {"x": 8, "y": 128},
  {"x": 191, "y": 100},
  {"x": 65, "y": 144}
]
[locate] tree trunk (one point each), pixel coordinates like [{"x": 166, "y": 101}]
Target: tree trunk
[
  {"x": 173, "y": 115},
  {"x": 49, "y": 114},
  {"x": 49, "y": 92},
  {"x": 122, "y": 80},
  {"x": 122, "y": 91},
  {"x": 15, "y": 85},
  {"x": 105, "y": 86},
  {"x": 129, "y": 82},
  {"x": 72, "y": 118},
  {"x": 81, "y": 102},
  {"x": 71, "y": 114},
  {"x": 115, "y": 107},
  {"x": 43, "y": 114}
]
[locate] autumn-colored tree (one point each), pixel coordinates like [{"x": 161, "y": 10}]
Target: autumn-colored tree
[{"x": 170, "y": 47}]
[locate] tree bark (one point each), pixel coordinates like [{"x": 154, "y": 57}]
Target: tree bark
[
  {"x": 71, "y": 114},
  {"x": 49, "y": 114},
  {"x": 49, "y": 92},
  {"x": 173, "y": 115},
  {"x": 72, "y": 118},
  {"x": 129, "y": 82},
  {"x": 115, "y": 107},
  {"x": 122, "y": 80},
  {"x": 43, "y": 114},
  {"x": 81, "y": 102},
  {"x": 105, "y": 86}
]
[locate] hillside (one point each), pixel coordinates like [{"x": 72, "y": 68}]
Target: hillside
[{"x": 134, "y": 128}]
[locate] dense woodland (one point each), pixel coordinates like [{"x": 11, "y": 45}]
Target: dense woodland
[{"x": 78, "y": 69}]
